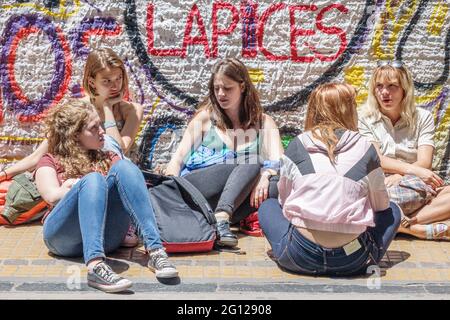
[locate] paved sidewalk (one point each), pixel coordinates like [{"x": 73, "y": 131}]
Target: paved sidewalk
[{"x": 411, "y": 269}]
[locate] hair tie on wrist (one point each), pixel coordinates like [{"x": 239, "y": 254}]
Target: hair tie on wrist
[{"x": 109, "y": 124}]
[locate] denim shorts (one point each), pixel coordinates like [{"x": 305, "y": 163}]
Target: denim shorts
[{"x": 304, "y": 256}]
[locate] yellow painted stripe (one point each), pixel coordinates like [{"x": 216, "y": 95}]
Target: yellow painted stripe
[
  {"x": 147, "y": 118},
  {"x": 437, "y": 18},
  {"x": 62, "y": 13},
  {"x": 10, "y": 138},
  {"x": 256, "y": 75},
  {"x": 355, "y": 77},
  {"x": 9, "y": 159},
  {"x": 384, "y": 29},
  {"x": 428, "y": 96},
  {"x": 441, "y": 137}
]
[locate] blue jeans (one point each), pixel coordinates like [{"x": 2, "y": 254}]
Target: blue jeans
[
  {"x": 94, "y": 216},
  {"x": 296, "y": 253}
]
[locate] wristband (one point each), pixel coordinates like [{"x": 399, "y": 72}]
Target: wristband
[
  {"x": 271, "y": 164},
  {"x": 109, "y": 124}
]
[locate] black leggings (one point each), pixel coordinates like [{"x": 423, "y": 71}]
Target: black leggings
[{"x": 227, "y": 187}]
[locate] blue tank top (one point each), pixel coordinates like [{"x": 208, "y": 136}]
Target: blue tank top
[{"x": 213, "y": 150}]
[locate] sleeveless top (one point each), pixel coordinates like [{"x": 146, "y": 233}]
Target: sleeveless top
[
  {"x": 213, "y": 150},
  {"x": 132, "y": 153}
]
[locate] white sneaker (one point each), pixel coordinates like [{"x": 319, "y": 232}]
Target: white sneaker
[
  {"x": 159, "y": 263},
  {"x": 102, "y": 277},
  {"x": 131, "y": 239}
]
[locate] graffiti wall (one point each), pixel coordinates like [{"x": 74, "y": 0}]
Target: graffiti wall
[{"x": 289, "y": 46}]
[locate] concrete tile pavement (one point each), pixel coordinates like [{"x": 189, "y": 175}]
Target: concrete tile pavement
[{"x": 411, "y": 268}]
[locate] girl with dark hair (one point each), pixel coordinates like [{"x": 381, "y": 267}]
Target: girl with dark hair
[{"x": 230, "y": 149}]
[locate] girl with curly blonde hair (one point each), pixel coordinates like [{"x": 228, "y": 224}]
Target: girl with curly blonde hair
[
  {"x": 105, "y": 83},
  {"x": 95, "y": 194}
]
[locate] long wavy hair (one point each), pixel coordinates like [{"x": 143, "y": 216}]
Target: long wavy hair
[
  {"x": 392, "y": 74},
  {"x": 99, "y": 60},
  {"x": 331, "y": 106},
  {"x": 64, "y": 123},
  {"x": 250, "y": 112}
]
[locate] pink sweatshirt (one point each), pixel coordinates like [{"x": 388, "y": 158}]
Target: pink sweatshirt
[{"x": 342, "y": 197}]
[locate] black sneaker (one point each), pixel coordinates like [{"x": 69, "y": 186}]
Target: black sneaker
[
  {"x": 103, "y": 278},
  {"x": 225, "y": 236},
  {"x": 159, "y": 263}
]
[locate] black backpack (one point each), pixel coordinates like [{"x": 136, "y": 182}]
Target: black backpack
[{"x": 185, "y": 220}]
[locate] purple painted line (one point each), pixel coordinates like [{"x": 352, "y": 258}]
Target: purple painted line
[
  {"x": 439, "y": 100},
  {"x": 249, "y": 26},
  {"x": 367, "y": 31},
  {"x": 92, "y": 5},
  {"x": 141, "y": 91},
  {"x": 98, "y": 23},
  {"x": 14, "y": 25},
  {"x": 172, "y": 104}
]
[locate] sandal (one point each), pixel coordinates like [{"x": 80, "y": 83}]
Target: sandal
[{"x": 438, "y": 231}]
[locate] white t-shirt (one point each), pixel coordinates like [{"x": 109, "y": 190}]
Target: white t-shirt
[{"x": 398, "y": 141}]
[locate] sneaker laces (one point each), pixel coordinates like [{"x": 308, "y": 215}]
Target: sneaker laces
[
  {"x": 160, "y": 259},
  {"x": 106, "y": 273}
]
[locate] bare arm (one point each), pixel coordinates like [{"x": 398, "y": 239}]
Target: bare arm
[
  {"x": 132, "y": 114},
  {"x": 191, "y": 140},
  {"x": 424, "y": 156},
  {"x": 28, "y": 163},
  {"x": 272, "y": 149},
  {"x": 420, "y": 168},
  {"x": 48, "y": 185}
]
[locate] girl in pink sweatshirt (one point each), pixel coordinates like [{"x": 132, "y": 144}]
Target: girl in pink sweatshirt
[{"x": 333, "y": 215}]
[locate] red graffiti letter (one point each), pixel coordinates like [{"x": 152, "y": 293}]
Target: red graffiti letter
[
  {"x": 265, "y": 16},
  {"x": 151, "y": 39},
  {"x": 331, "y": 30},
  {"x": 215, "y": 31},
  {"x": 202, "y": 39},
  {"x": 296, "y": 32}
]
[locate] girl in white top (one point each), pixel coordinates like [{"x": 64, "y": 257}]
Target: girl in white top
[{"x": 403, "y": 137}]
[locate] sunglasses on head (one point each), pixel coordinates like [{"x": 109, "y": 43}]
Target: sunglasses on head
[{"x": 393, "y": 63}]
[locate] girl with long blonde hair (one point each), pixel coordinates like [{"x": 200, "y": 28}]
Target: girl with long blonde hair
[{"x": 403, "y": 136}]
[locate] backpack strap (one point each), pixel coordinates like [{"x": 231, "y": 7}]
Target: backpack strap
[{"x": 197, "y": 197}]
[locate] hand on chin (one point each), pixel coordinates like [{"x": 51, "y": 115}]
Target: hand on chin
[{"x": 114, "y": 99}]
